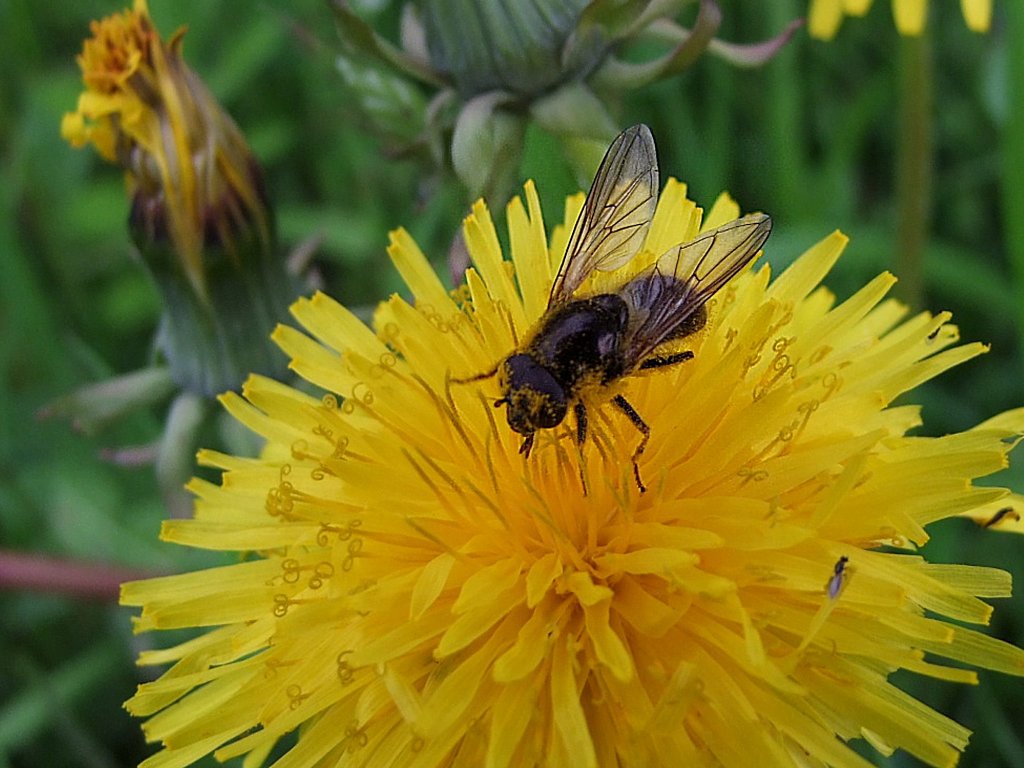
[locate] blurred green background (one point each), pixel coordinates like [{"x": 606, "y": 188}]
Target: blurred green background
[{"x": 812, "y": 138}]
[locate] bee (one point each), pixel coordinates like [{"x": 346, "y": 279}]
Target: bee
[{"x": 585, "y": 342}]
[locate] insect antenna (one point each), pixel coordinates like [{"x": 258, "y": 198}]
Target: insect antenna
[{"x": 470, "y": 379}]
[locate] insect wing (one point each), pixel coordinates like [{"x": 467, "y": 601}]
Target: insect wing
[
  {"x": 614, "y": 221},
  {"x": 714, "y": 258},
  {"x": 664, "y": 297}
]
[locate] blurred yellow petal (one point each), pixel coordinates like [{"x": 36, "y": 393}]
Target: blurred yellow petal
[
  {"x": 824, "y": 18},
  {"x": 910, "y": 16},
  {"x": 856, "y": 7},
  {"x": 977, "y": 14}
]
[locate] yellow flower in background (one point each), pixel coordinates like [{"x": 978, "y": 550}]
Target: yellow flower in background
[
  {"x": 190, "y": 172},
  {"x": 825, "y": 16},
  {"x": 414, "y": 592}
]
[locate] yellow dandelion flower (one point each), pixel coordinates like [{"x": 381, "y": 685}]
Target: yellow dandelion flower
[
  {"x": 415, "y": 592},
  {"x": 825, "y": 16},
  {"x": 190, "y": 172}
]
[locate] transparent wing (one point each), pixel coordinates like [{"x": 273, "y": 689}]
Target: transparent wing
[
  {"x": 664, "y": 298},
  {"x": 615, "y": 219}
]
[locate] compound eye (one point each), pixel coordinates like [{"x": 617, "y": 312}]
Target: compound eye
[
  {"x": 519, "y": 418},
  {"x": 550, "y": 414}
]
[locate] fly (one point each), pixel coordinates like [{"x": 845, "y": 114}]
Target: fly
[{"x": 588, "y": 341}]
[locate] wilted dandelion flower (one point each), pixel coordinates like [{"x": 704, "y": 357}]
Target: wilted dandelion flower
[
  {"x": 825, "y": 16},
  {"x": 198, "y": 209},
  {"x": 414, "y": 592},
  {"x": 191, "y": 171}
]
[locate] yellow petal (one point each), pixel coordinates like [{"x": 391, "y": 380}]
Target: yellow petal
[
  {"x": 977, "y": 14},
  {"x": 910, "y": 16},
  {"x": 569, "y": 719},
  {"x": 529, "y": 246},
  {"x": 607, "y": 644},
  {"x": 824, "y": 18},
  {"x": 429, "y": 583}
]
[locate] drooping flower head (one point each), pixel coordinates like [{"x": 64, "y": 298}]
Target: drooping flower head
[
  {"x": 415, "y": 592},
  {"x": 825, "y": 16},
  {"x": 190, "y": 172},
  {"x": 199, "y": 212}
]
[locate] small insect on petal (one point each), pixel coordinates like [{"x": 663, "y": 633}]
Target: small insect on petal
[
  {"x": 839, "y": 578},
  {"x": 1006, "y": 513}
]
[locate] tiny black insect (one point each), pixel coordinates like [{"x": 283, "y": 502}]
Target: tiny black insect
[
  {"x": 586, "y": 341},
  {"x": 1006, "y": 513},
  {"x": 838, "y": 578}
]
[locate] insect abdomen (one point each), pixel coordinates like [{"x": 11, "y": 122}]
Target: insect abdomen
[{"x": 583, "y": 337}]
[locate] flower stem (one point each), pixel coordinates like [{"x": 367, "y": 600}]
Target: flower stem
[
  {"x": 914, "y": 170},
  {"x": 38, "y": 573},
  {"x": 212, "y": 343},
  {"x": 176, "y": 453},
  {"x": 1013, "y": 157},
  {"x": 785, "y": 118}
]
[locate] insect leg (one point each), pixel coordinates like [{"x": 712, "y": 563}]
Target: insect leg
[
  {"x": 623, "y": 405},
  {"x": 1005, "y": 512},
  {"x": 666, "y": 360},
  {"x": 581, "y": 423},
  {"x": 527, "y": 445},
  {"x": 581, "y": 434},
  {"x": 469, "y": 379}
]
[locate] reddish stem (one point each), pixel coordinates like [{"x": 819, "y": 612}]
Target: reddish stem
[{"x": 38, "y": 573}]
